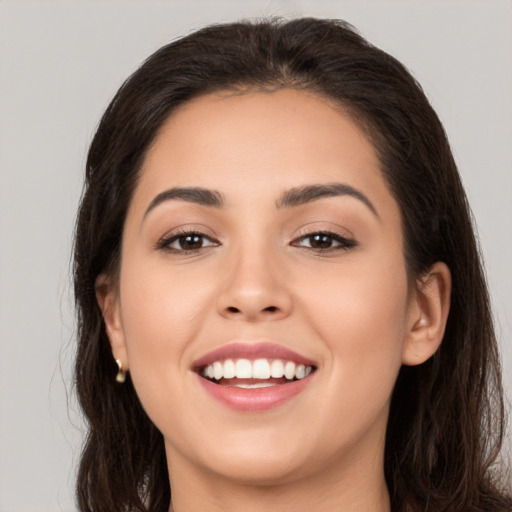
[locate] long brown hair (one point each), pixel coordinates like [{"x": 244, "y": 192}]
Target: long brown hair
[{"x": 446, "y": 422}]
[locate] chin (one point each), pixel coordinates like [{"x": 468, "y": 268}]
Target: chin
[
  {"x": 254, "y": 468},
  {"x": 258, "y": 457}
]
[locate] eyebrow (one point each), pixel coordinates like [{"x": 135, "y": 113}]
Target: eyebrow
[
  {"x": 293, "y": 197},
  {"x": 197, "y": 195},
  {"x": 302, "y": 195}
]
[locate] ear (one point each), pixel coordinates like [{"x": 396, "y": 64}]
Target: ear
[
  {"x": 108, "y": 300},
  {"x": 430, "y": 304}
]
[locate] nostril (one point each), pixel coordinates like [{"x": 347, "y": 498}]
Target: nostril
[{"x": 270, "y": 309}]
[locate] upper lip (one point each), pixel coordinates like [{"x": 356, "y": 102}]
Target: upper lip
[{"x": 241, "y": 350}]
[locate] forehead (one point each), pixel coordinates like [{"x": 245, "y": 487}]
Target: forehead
[{"x": 256, "y": 145}]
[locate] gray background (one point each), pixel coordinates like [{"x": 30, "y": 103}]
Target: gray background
[{"x": 61, "y": 62}]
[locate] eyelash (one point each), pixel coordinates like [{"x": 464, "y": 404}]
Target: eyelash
[
  {"x": 164, "y": 244},
  {"x": 345, "y": 244}
]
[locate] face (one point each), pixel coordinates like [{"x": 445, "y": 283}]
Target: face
[{"x": 263, "y": 307}]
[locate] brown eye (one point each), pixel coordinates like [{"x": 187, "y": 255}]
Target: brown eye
[
  {"x": 190, "y": 242},
  {"x": 186, "y": 242},
  {"x": 320, "y": 241},
  {"x": 325, "y": 242}
]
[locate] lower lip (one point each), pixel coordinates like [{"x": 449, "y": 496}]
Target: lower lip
[{"x": 258, "y": 399}]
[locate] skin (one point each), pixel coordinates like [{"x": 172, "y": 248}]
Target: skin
[{"x": 352, "y": 310}]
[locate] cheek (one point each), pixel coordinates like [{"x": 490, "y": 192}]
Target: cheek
[
  {"x": 161, "y": 314},
  {"x": 361, "y": 314}
]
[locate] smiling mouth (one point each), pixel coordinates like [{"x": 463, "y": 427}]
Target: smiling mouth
[{"x": 254, "y": 374}]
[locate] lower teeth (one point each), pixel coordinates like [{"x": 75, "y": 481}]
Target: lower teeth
[{"x": 253, "y": 386}]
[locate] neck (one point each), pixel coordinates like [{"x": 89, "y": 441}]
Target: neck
[{"x": 352, "y": 487}]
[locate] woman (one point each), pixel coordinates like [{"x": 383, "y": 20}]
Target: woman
[{"x": 274, "y": 254}]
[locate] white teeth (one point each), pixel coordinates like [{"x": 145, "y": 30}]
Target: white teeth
[
  {"x": 277, "y": 369},
  {"x": 243, "y": 369},
  {"x": 300, "y": 371},
  {"x": 254, "y": 386},
  {"x": 289, "y": 370},
  {"x": 258, "y": 369},
  {"x": 229, "y": 369},
  {"x": 218, "y": 370}
]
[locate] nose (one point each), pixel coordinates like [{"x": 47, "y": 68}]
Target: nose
[{"x": 254, "y": 289}]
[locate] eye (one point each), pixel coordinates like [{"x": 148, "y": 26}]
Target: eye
[
  {"x": 324, "y": 241},
  {"x": 186, "y": 242}
]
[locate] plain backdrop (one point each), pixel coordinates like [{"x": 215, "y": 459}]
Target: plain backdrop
[{"x": 61, "y": 62}]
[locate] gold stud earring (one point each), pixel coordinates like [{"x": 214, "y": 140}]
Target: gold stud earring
[{"x": 121, "y": 374}]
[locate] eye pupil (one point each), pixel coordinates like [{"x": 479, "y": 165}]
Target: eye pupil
[
  {"x": 320, "y": 241},
  {"x": 189, "y": 242}
]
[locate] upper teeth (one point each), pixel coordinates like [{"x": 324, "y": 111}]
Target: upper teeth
[{"x": 257, "y": 369}]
